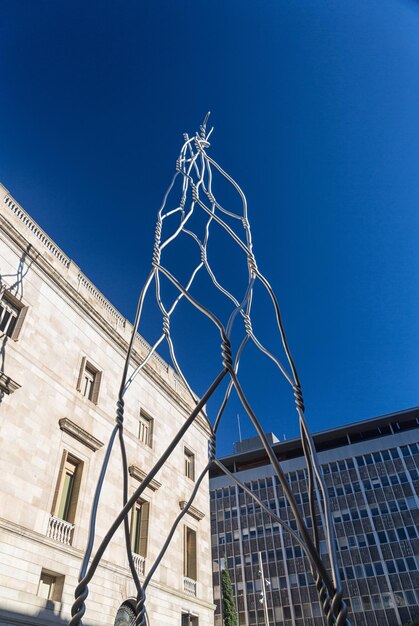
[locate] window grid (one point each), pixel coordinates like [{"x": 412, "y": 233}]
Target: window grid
[
  {"x": 145, "y": 430},
  {"x": 386, "y": 492}
]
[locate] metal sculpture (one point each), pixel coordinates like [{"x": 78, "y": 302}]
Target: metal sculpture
[{"x": 195, "y": 168}]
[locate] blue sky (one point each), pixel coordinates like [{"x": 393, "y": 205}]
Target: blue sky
[{"x": 315, "y": 108}]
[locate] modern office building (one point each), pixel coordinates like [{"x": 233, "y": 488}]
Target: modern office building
[
  {"x": 371, "y": 470},
  {"x": 62, "y": 348}
]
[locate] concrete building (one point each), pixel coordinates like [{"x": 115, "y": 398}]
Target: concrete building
[
  {"x": 62, "y": 350},
  {"x": 371, "y": 470}
]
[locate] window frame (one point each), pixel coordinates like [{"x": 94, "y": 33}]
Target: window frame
[
  {"x": 8, "y": 298},
  {"x": 139, "y": 540},
  {"x": 68, "y": 461},
  {"x": 56, "y": 587},
  {"x": 188, "y": 619},
  {"x": 188, "y": 463},
  {"x": 190, "y": 561},
  {"x": 97, "y": 373},
  {"x": 145, "y": 418}
]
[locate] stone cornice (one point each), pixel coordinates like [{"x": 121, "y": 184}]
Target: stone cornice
[
  {"x": 140, "y": 474},
  {"x": 76, "y": 431},
  {"x": 63, "y": 283},
  {"x": 193, "y": 512},
  {"x": 7, "y": 384}
]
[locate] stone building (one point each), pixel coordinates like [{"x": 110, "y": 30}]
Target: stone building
[
  {"x": 62, "y": 350},
  {"x": 371, "y": 471}
]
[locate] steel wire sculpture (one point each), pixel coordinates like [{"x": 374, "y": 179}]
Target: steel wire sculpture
[{"x": 195, "y": 168}]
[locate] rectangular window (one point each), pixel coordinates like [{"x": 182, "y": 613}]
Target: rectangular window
[
  {"x": 359, "y": 571},
  {"x": 369, "y": 570},
  {"x": 189, "y": 620},
  {"x": 342, "y": 543},
  {"x": 139, "y": 528},
  {"x": 287, "y": 612},
  {"x": 399, "y": 598},
  {"x": 50, "y": 586},
  {"x": 68, "y": 487},
  {"x": 145, "y": 431},
  {"x": 190, "y": 561},
  {"x": 411, "y": 531},
  {"x": 46, "y": 586},
  {"x": 12, "y": 314},
  {"x": 376, "y": 602},
  {"x": 293, "y": 580},
  {"x": 387, "y": 599},
  {"x": 189, "y": 464},
  {"x": 89, "y": 381}
]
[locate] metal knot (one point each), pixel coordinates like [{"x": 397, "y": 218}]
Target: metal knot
[
  {"x": 140, "y": 610},
  {"x": 226, "y": 353},
  {"x": 323, "y": 595},
  {"x": 157, "y": 232},
  {"x": 211, "y": 447},
  {"x": 248, "y": 324},
  {"x": 201, "y": 143},
  {"x": 252, "y": 263},
  {"x": 79, "y": 608},
  {"x": 211, "y": 197},
  {"x": 299, "y": 400},
  {"x": 120, "y": 411},
  {"x": 156, "y": 255},
  {"x": 194, "y": 192},
  {"x": 166, "y": 325}
]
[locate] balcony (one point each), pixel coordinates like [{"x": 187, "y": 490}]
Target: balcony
[
  {"x": 189, "y": 586},
  {"x": 139, "y": 562},
  {"x": 60, "y": 530}
]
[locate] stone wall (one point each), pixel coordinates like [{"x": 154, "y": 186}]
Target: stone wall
[{"x": 68, "y": 319}]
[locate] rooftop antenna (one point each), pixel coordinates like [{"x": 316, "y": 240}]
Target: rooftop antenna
[{"x": 238, "y": 423}]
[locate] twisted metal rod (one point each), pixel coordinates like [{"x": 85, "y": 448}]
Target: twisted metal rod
[{"x": 195, "y": 167}]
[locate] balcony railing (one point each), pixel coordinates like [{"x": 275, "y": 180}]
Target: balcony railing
[
  {"x": 139, "y": 562},
  {"x": 60, "y": 530},
  {"x": 189, "y": 586}
]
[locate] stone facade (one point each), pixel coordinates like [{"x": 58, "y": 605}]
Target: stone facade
[{"x": 44, "y": 413}]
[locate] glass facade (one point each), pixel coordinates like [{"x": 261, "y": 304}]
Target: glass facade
[{"x": 373, "y": 487}]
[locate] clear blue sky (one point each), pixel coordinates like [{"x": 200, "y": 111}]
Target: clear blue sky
[{"x": 316, "y": 114}]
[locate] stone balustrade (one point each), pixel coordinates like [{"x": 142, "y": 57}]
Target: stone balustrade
[
  {"x": 189, "y": 586},
  {"x": 60, "y": 530},
  {"x": 139, "y": 562}
]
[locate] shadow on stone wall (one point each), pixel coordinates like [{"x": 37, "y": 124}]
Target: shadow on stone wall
[
  {"x": 47, "y": 616},
  {"x": 14, "y": 284}
]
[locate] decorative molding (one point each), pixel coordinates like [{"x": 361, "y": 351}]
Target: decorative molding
[
  {"x": 80, "y": 434},
  {"x": 36, "y": 230},
  {"x": 193, "y": 512},
  {"x": 7, "y": 384},
  {"x": 120, "y": 335},
  {"x": 139, "y": 475}
]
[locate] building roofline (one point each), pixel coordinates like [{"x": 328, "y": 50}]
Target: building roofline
[
  {"x": 346, "y": 434},
  {"x": 58, "y": 266}
]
